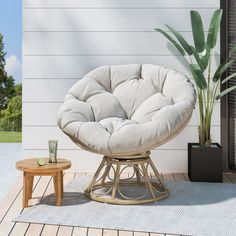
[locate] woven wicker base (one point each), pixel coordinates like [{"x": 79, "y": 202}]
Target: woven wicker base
[{"x": 109, "y": 186}]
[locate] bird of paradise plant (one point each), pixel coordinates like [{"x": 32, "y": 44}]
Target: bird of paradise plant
[{"x": 199, "y": 59}]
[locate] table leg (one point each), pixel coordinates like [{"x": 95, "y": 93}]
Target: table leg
[
  {"x": 62, "y": 185},
  {"x": 25, "y": 190},
  {"x": 30, "y": 187},
  {"x": 57, "y": 187}
]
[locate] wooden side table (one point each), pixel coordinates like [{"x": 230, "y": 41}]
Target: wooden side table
[{"x": 30, "y": 169}]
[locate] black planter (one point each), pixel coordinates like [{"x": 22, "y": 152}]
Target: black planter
[{"x": 205, "y": 164}]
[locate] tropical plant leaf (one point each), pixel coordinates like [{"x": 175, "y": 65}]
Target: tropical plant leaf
[
  {"x": 198, "y": 31},
  {"x": 223, "y": 93},
  {"x": 214, "y": 28},
  {"x": 232, "y": 50},
  {"x": 228, "y": 78},
  {"x": 198, "y": 76},
  {"x": 178, "y": 47},
  {"x": 181, "y": 40},
  {"x": 216, "y": 76},
  {"x": 198, "y": 59},
  {"x": 206, "y": 57},
  {"x": 221, "y": 69}
]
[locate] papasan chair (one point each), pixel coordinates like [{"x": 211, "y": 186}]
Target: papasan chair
[{"x": 123, "y": 112}]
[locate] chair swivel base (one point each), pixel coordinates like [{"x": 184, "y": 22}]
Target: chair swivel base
[{"x": 144, "y": 185}]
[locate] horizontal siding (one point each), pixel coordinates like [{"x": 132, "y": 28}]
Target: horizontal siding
[
  {"x": 77, "y": 66},
  {"x": 121, "y": 4},
  {"x": 43, "y": 90},
  {"x": 45, "y": 133},
  {"x": 100, "y": 43},
  {"x": 109, "y": 19},
  {"x": 45, "y": 114}
]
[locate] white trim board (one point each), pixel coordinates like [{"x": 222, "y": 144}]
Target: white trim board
[
  {"x": 121, "y": 4},
  {"x": 77, "y": 66},
  {"x": 110, "y": 43},
  {"x": 109, "y": 19}
]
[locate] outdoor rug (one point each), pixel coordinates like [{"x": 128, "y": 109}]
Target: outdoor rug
[{"x": 191, "y": 209}]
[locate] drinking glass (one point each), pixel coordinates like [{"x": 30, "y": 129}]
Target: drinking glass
[{"x": 52, "y": 144}]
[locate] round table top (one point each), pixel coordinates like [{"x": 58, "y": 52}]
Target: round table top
[{"x": 30, "y": 165}]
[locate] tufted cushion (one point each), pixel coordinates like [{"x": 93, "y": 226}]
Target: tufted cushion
[{"x": 127, "y": 109}]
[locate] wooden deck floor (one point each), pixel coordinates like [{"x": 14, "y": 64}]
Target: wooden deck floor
[{"x": 11, "y": 208}]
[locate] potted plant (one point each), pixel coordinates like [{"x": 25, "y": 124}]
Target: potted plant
[{"x": 205, "y": 157}]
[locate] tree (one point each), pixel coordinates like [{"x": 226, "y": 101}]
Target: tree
[
  {"x": 7, "y": 85},
  {"x": 18, "y": 89},
  {"x": 12, "y": 116}
]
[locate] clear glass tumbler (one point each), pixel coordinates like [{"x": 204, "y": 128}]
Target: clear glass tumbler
[{"x": 52, "y": 145}]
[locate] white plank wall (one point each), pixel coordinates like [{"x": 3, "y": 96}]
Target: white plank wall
[
  {"x": 56, "y": 43},
  {"x": 76, "y": 66},
  {"x": 65, "y": 39},
  {"x": 133, "y": 4}
]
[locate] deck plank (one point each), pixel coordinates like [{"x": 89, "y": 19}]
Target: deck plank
[
  {"x": 141, "y": 234},
  {"x": 50, "y": 188},
  {"x": 37, "y": 195},
  {"x": 10, "y": 198},
  {"x": 110, "y": 232},
  {"x": 186, "y": 177},
  {"x": 125, "y": 233},
  {"x": 39, "y": 192},
  {"x": 172, "y": 235},
  {"x": 34, "y": 230},
  {"x": 49, "y": 230},
  {"x": 19, "y": 229},
  {"x": 94, "y": 232},
  {"x": 156, "y": 234},
  {"x": 179, "y": 177},
  {"x": 168, "y": 177},
  {"x": 65, "y": 231},
  {"x": 232, "y": 177},
  {"x": 226, "y": 179},
  {"x": 79, "y": 231},
  {"x": 7, "y": 225}
]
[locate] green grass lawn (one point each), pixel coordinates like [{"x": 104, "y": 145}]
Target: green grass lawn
[{"x": 10, "y": 137}]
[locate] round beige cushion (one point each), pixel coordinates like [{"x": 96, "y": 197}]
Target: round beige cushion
[{"x": 127, "y": 109}]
